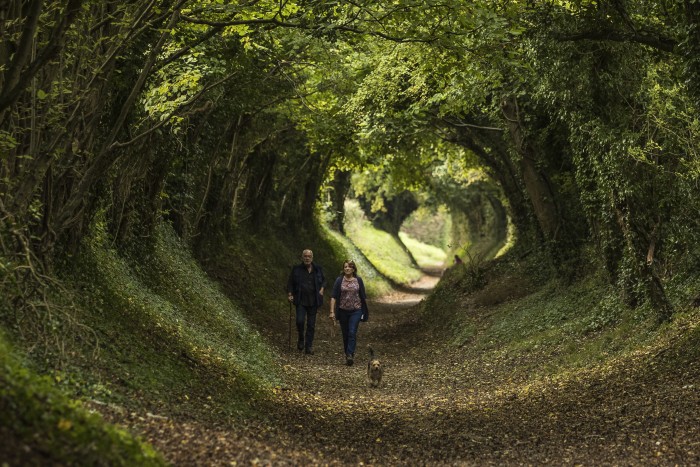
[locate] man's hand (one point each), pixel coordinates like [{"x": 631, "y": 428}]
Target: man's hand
[{"x": 290, "y": 297}]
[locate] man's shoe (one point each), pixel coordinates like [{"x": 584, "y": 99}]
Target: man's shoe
[
  {"x": 349, "y": 359},
  {"x": 309, "y": 351},
  {"x": 300, "y": 344}
]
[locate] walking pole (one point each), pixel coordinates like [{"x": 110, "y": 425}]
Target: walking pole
[{"x": 289, "y": 340}]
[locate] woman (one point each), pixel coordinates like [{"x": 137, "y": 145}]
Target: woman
[{"x": 349, "y": 306}]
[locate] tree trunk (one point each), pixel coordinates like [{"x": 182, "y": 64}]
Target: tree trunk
[
  {"x": 20, "y": 72},
  {"x": 11, "y": 78},
  {"x": 690, "y": 49},
  {"x": 536, "y": 183},
  {"x": 503, "y": 172},
  {"x": 644, "y": 271},
  {"x": 499, "y": 230},
  {"x": 316, "y": 174},
  {"x": 105, "y": 158},
  {"x": 341, "y": 186}
]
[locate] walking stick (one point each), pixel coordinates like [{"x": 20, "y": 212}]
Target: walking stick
[
  {"x": 289, "y": 340},
  {"x": 333, "y": 324}
]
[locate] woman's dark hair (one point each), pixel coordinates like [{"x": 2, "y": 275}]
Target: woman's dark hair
[{"x": 350, "y": 263}]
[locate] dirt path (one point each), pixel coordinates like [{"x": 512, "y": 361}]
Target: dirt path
[{"x": 444, "y": 405}]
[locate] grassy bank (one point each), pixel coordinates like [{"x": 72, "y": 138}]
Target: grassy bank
[
  {"x": 40, "y": 424},
  {"x": 142, "y": 330},
  {"x": 375, "y": 282},
  {"x": 518, "y": 320},
  {"x": 173, "y": 331},
  {"x": 380, "y": 248},
  {"x": 427, "y": 256},
  {"x": 149, "y": 329}
]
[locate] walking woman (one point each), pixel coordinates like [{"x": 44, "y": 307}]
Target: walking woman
[{"x": 349, "y": 306}]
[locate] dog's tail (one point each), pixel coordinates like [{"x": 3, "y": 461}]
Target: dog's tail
[{"x": 371, "y": 352}]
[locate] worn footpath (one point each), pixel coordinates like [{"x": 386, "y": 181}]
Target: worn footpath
[{"x": 442, "y": 404}]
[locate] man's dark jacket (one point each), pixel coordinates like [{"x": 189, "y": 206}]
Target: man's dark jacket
[{"x": 295, "y": 278}]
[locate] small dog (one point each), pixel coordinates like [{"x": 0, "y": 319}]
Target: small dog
[{"x": 374, "y": 369}]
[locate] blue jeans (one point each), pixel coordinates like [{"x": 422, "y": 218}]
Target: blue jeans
[
  {"x": 308, "y": 314},
  {"x": 349, "y": 322}
]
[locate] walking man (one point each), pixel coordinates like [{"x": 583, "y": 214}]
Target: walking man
[{"x": 305, "y": 291}]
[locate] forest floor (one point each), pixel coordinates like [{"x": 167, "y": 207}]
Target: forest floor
[{"x": 444, "y": 404}]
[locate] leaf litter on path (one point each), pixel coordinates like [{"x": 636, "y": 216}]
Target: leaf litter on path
[{"x": 441, "y": 404}]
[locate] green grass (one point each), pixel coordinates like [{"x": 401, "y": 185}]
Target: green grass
[
  {"x": 375, "y": 283},
  {"x": 380, "y": 248},
  {"x": 427, "y": 256},
  {"x": 147, "y": 329},
  {"x": 253, "y": 268},
  {"x": 39, "y": 421},
  {"x": 551, "y": 329},
  {"x": 144, "y": 328},
  {"x": 169, "y": 330},
  {"x": 577, "y": 321}
]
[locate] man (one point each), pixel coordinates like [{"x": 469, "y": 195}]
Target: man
[{"x": 305, "y": 290}]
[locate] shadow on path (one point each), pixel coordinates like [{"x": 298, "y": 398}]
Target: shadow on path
[{"x": 440, "y": 404}]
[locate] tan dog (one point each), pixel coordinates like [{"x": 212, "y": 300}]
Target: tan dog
[{"x": 374, "y": 369}]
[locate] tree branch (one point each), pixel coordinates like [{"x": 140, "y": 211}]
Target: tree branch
[
  {"x": 18, "y": 79},
  {"x": 470, "y": 125},
  {"x": 208, "y": 35},
  {"x": 190, "y": 101},
  {"x": 659, "y": 42},
  {"x": 70, "y": 210},
  {"x": 286, "y": 24},
  {"x": 21, "y": 55}
]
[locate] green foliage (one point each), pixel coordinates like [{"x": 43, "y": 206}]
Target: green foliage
[
  {"x": 429, "y": 226},
  {"x": 375, "y": 283},
  {"x": 39, "y": 422},
  {"x": 580, "y": 326},
  {"x": 380, "y": 248},
  {"x": 166, "y": 328},
  {"x": 427, "y": 256},
  {"x": 520, "y": 316},
  {"x": 228, "y": 118}
]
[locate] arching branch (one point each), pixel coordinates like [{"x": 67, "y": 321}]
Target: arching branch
[{"x": 659, "y": 42}]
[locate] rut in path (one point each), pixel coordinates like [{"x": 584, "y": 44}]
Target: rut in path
[{"x": 441, "y": 404}]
